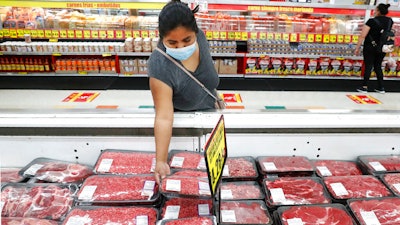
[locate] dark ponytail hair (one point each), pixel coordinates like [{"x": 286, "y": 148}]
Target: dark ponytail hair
[
  {"x": 383, "y": 8},
  {"x": 175, "y": 14}
]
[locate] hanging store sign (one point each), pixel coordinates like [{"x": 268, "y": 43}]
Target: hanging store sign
[
  {"x": 364, "y": 99},
  {"x": 85, "y": 4},
  {"x": 81, "y": 97}
]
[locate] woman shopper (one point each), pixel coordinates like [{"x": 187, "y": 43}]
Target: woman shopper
[
  {"x": 371, "y": 31},
  {"x": 181, "y": 44}
]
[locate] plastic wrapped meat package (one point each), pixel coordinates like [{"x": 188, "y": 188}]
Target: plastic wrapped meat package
[
  {"x": 241, "y": 190},
  {"x": 178, "y": 208},
  {"x": 113, "y": 161},
  {"x": 326, "y": 168},
  {"x": 26, "y": 221},
  {"x": 56, "y": 171},
  {"x": 203, "y": 220},
  {"x": 392, "y": 181},
  {"x": 285, "y": 166},
  {"x": 118, "y": 189},
  {"x": 10, "y": 175},
  {"x": 185, "y": 186},
  {"x": 383, "y": 211},
  {"x": 181, "y": 159},
  {"x": 378, "y": 164},
  {"x": 244, "y": 212},
  {"x": 42, "y": 201},
  {"x": 240, "y": 168}
]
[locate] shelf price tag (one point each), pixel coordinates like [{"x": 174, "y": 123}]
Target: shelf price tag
[
  {"x": 340, "y": 38},
  {"x": 278, "y": 36},
  {"x": 106, "y": 54},
  {"x": 20, "y": 33},
  {"x": 102, "y": 34},
  {"x": 325, "y": 38},
  {"x": 55, "y": 34},
  {"x": 215, "y": 35},
  {"x": 13, "y": 33},
  {"x": 285, "y": 37},
  {"x": 270, "y": 36},
  {"x": 78, "y": 34},
  {"x": 318, "y": 38},
  {"x": 293, "y": 38},
  {"x": 53, "y": 40},
  {"x": 355, "y": 39},
  {"x": 63, "y": 34},
  {"x": 95, "y": 34},
  {"x": 40, "y": 33},
  {"x": 144, "y": 33},
  {"x": 128, "y": 34},
  {"x": 209, "y": 35},
  {"x": 245, "y": 36},
  {"x": 231, "y": 35},
  {"x": 34, "y": 33},
  {"x": 119, "y": 34},
  {"x": 1, "y": 33},
  {"x": 303, "y": 37},
  {"x": 253, "y": 35},
  {"x": 347, "y": 39},
  {"x": 71, "y": 33},
  {"x": 263, "y": 35},
  {"x": 47, "y": 33},
  {"x": 87, "y": 34},
  {"x": 110, "y": 34},
  {"x": 152, "y": 34},
  {"x": 222, "y": 35},
  {"x": 238, "y": 35},
  {"x": 6, "y": 32},
  {"x": 27, "y": 31},
  {"x": 333, "y": 38}
]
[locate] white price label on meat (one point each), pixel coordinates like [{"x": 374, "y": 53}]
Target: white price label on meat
[
  {"x": 277, "y": 195},
  {"x": 228, "y": 216},
  {"x": 172, "y": 212},
  {"x": 339, "y": 189},
  {"x": 153, "y": 165},
  {"x": 204, "y": 209},
  {"x": 78, "y": 220},
  {"x": 173, "y": 185},
  {"x": 177, "y": 161},
  {"x": 225, "y": 171},
  {"x": 377, "y": 166},
  {"x": 87, "y": 192},
  {"x": 148, "y": 188},
  {"x": 142, "y": 220},
  {"x": 226, "y": 194},
  {"x": 369, "y": 218},
  {"x": 204, "y": 188},
  {"x": 105, "y": 165},
  {"x": 295, "y": 221},
  {"x": 202, "y": 164},
  {"x": 324, "y": 171},
  {"x": 269, "y": 166},
  {"x": 397, "y": 187},
  {"x": 33, "y": 169}
]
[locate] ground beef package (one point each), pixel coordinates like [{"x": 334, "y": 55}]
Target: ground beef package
[
  {"x": 325, "y": 214},
  {"x": 285, "y": 191},
  {"x": 244, "y": 212},
  {"x": 186, "y": 185},
  {"x": 182, "y": 159},
  {"x": 42, "y": 201},
  {"x": 11, "y": 175},
  {"x": 241, "y": 190},
  {"x": 382, "y": 211},
  {"x": 202, "y": 220},
  {"x": 92, "y": 215},
  {"x": 282, "y": 166},
  {"x": 178, "y": 208},
  {"x": 56, "y": 171},
  {"x": 327, "y": 168},
  {"x": 119, "y": 189},
  {"x": 240, "y": 169},
  {"x": 112, "y": 161},
  {"x": 379, "y": 164},
  {"x": 392, "y": 181},
  {"x": 26, "y": 221}
]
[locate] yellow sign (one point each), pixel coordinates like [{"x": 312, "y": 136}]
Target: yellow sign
[
  {"x": 215, "y": 35},
  {"x": 311, "y": 38},
  {"x": 63, "y": 34},
  {"x": 215, "y": 154},
  {"x": 303, "y": 37},
  {"x": 71, "y": 33},
  {"x": 231, "y": 35},
  {"x": 102, "y": 34},
  {"x": 263, "y": 35},
  {"x": 222, "y": 35},
  {"x": 285, "y": 37},
  {"x": 87, "y": 34},
  {"x": 340, "y": 38},
  {"x": 95, "y": 34}
]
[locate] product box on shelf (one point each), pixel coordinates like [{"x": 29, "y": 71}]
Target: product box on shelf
[
  {"x": 252, "y": 66},
  {"x": 178, "y": 208},
  {"x": 228, "y": 66},
  {"x": 240, "y": 168},
  {"x": 253, "y": 212},
  {"x": 128, "y": 66},
  {"x": 264, "y": 65}
]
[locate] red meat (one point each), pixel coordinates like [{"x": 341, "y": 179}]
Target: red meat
[
  {"x": 126, "y": 162},
  {"x": 393, "y": 182},
  {"x": 240, "y": 167},
  {"x": 285, "y": 165},
  {"x": 189, "y": 186},
  {"x": 111, "y": 215},
  {"x": 390, "y": 163},
  {"x": 190, "y": 173},
  {"x": 244, "y": 212},
  {"x": 43, "y": 202},
  {"x": 190, "y": 221},
  {"x": 363, "y": 186},
  {"x": 188, "y": 207},
  {"x": 241, "y": 190},
  {"x": 10, "y": 175},
  {"x": 119, "y": 188},
  {"x": 336, "y": 168},
  {"x": 386, "y": 210},
  {"x": 321, "y": 215},
  {"x": 191, "y": 160},
  {"x": 296, "y": 190},
  {"x": 26, "y": 221}
]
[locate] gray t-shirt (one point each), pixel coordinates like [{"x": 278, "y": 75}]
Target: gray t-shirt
[{"x": 187, "y": 94}]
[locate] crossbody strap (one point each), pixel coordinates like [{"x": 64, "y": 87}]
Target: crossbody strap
[{"x": 188, "y": 73}]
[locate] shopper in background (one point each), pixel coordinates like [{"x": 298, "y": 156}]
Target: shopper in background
[
  {"x": 372, "y": 58},
  {"x": 172, "y": 89}
]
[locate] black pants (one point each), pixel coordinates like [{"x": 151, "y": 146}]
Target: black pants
[{"x": 373, "y": 59}]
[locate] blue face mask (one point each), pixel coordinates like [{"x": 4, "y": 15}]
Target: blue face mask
[{"x": 181, "y": 53}]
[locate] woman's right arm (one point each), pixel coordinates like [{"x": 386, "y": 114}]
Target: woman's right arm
[{"x": 164, "y": 110}]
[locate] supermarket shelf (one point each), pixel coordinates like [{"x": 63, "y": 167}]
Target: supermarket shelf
[
  {"x": 231, "y": 75},
  {"x": 53, "y": 74}
]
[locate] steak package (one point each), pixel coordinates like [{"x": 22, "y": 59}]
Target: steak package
[
  {"x": 95, "y": 215},
  {"x": 326, "y": 214},
  {"x": 178, "y": 208},
  {"x": 244, "y": 212},
  {"x": 379, "y": 164},
  {"x": 202, "y": 220},
  {"x": 56, "y": 171},
  {"x": 182, "y": 159},
  {"x": 326, "y": 168},
  {"x": 286, "y": 191},
  {"x": 42, "y": 201},
  {"x": 185, "y": 186},
  {"x": 26, "y": 221},
  {"x": 112, "y": 161},
  {"x": 392, "y": 181},
  {"x": 240, "y": 168},
  {"x": 342, "y": 188},
  {"x": 282, "y": 166},
  {"x": 382, "y": 211},
  {"x": 118, "y": 189},
  {"x": 241, "y": 190},
  {"x": 11, "y": 175}
]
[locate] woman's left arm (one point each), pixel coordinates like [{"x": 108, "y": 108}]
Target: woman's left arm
[{"x": 361, "y": 38}]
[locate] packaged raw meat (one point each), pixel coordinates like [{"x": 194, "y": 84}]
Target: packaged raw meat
[
  {"x": 285, "y": 191},
  {"x": 379, "y": 164},
  {"x": 382, "y": 211},
  {"x": 178, "y": 208},
  {"x": 325, "y": 214},
  {"x": 241, "y": 190},
  {"x": 11, "y": 175},
  {"x": 182, "y": 159},
  {"x": 244, "y": 212},
  {"x": 112, "y": 161},
  {"x": 240, "y": 168},
  {"x": 42, "y": 201},
  {"x": 26, "y": 221},
  {"x": 185, "y": 186},
  {"x": 189, "y": 173},
  {"x": 202, "y": 220},
  {"x": 326, "y": 168},
  {"x": 95, "y": 215},
  {"x": 283, "y": 166},
  {"x": 119, "y": 190},
  {"x": 392, "y": 181},
  {"x": 56, "y": 171},
  {"x": 342, "y": 188}
]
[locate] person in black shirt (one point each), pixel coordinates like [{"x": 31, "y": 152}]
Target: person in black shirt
[{"x": 372, "y": 58}]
